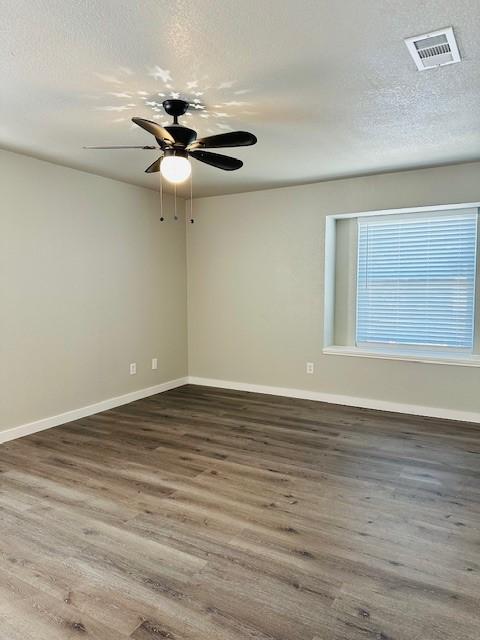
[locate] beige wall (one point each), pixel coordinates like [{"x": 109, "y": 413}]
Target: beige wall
[
  {"x": 255, "y": 282},
  {"x": 90, "y": 281}
]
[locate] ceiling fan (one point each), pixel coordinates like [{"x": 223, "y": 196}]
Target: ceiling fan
[{"x": 177, "y": 143}]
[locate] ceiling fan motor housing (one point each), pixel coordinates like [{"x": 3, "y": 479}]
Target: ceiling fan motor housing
[{"x": 183, "y": 136}]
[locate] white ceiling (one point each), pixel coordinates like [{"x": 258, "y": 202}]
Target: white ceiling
[{"x": 328, "y": 87}]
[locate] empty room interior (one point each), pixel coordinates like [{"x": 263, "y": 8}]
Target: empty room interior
[{"x": 239, "y": 320}]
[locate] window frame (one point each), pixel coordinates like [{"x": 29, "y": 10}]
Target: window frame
[{"x": 416, "y": 353}]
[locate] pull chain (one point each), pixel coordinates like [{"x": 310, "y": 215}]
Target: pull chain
[
  {"x": 161, "y": 200},
  {"x": 191, "y": 201},
  {"x": 175, "y": 217}
]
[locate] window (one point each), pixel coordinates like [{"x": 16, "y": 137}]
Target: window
[{"x": 416, "y": 281}]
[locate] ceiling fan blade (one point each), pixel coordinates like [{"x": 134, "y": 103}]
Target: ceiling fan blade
[
  {"x": 229, "y": 139},
  {"x": 154, "y": 167},
  {"x": 160, "y": 133},
  {"x": 226, "y": 163},
  {"x": 123, "y": 147}
]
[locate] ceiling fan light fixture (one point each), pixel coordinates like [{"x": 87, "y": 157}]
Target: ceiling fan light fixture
[
  {"x": 178, "y": 143},
  {"x": 175, "y": 168}
]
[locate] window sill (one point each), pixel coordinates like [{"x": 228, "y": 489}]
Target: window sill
[{"x": 434, "y": 358}]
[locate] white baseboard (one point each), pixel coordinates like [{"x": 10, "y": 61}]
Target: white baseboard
[
  {"x": 349, "y": 401},
  {"x": 83, "y": 412}
]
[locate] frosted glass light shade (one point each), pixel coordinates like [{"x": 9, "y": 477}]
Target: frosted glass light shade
[{"x": 175, "y": 168}]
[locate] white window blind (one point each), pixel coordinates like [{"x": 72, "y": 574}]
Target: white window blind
[{"x": 416, "y": 280}]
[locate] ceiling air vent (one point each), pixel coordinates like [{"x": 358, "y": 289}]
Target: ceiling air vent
[{"x": 434, "y": 49}]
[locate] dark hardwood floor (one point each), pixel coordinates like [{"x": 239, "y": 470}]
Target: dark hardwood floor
[{"x": 218, "y": 515}]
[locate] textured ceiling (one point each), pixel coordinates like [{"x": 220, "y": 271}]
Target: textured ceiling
[{"x": 328, "y": 87}]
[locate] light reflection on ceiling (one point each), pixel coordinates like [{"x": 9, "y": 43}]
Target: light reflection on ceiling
[{"x": 129, "y": 95}]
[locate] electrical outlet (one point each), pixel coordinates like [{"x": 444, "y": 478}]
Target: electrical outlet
[
  {"x": 310, "y": 367},
  {"x": 133, "y": 368},
  {"x": 154, "y": 363}
]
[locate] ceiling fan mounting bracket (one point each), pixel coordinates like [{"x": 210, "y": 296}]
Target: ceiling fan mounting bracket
[{"x": 175, "y": 108}]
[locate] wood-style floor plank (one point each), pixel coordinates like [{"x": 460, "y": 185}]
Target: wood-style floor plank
[{"x": 203, "y": 513}]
